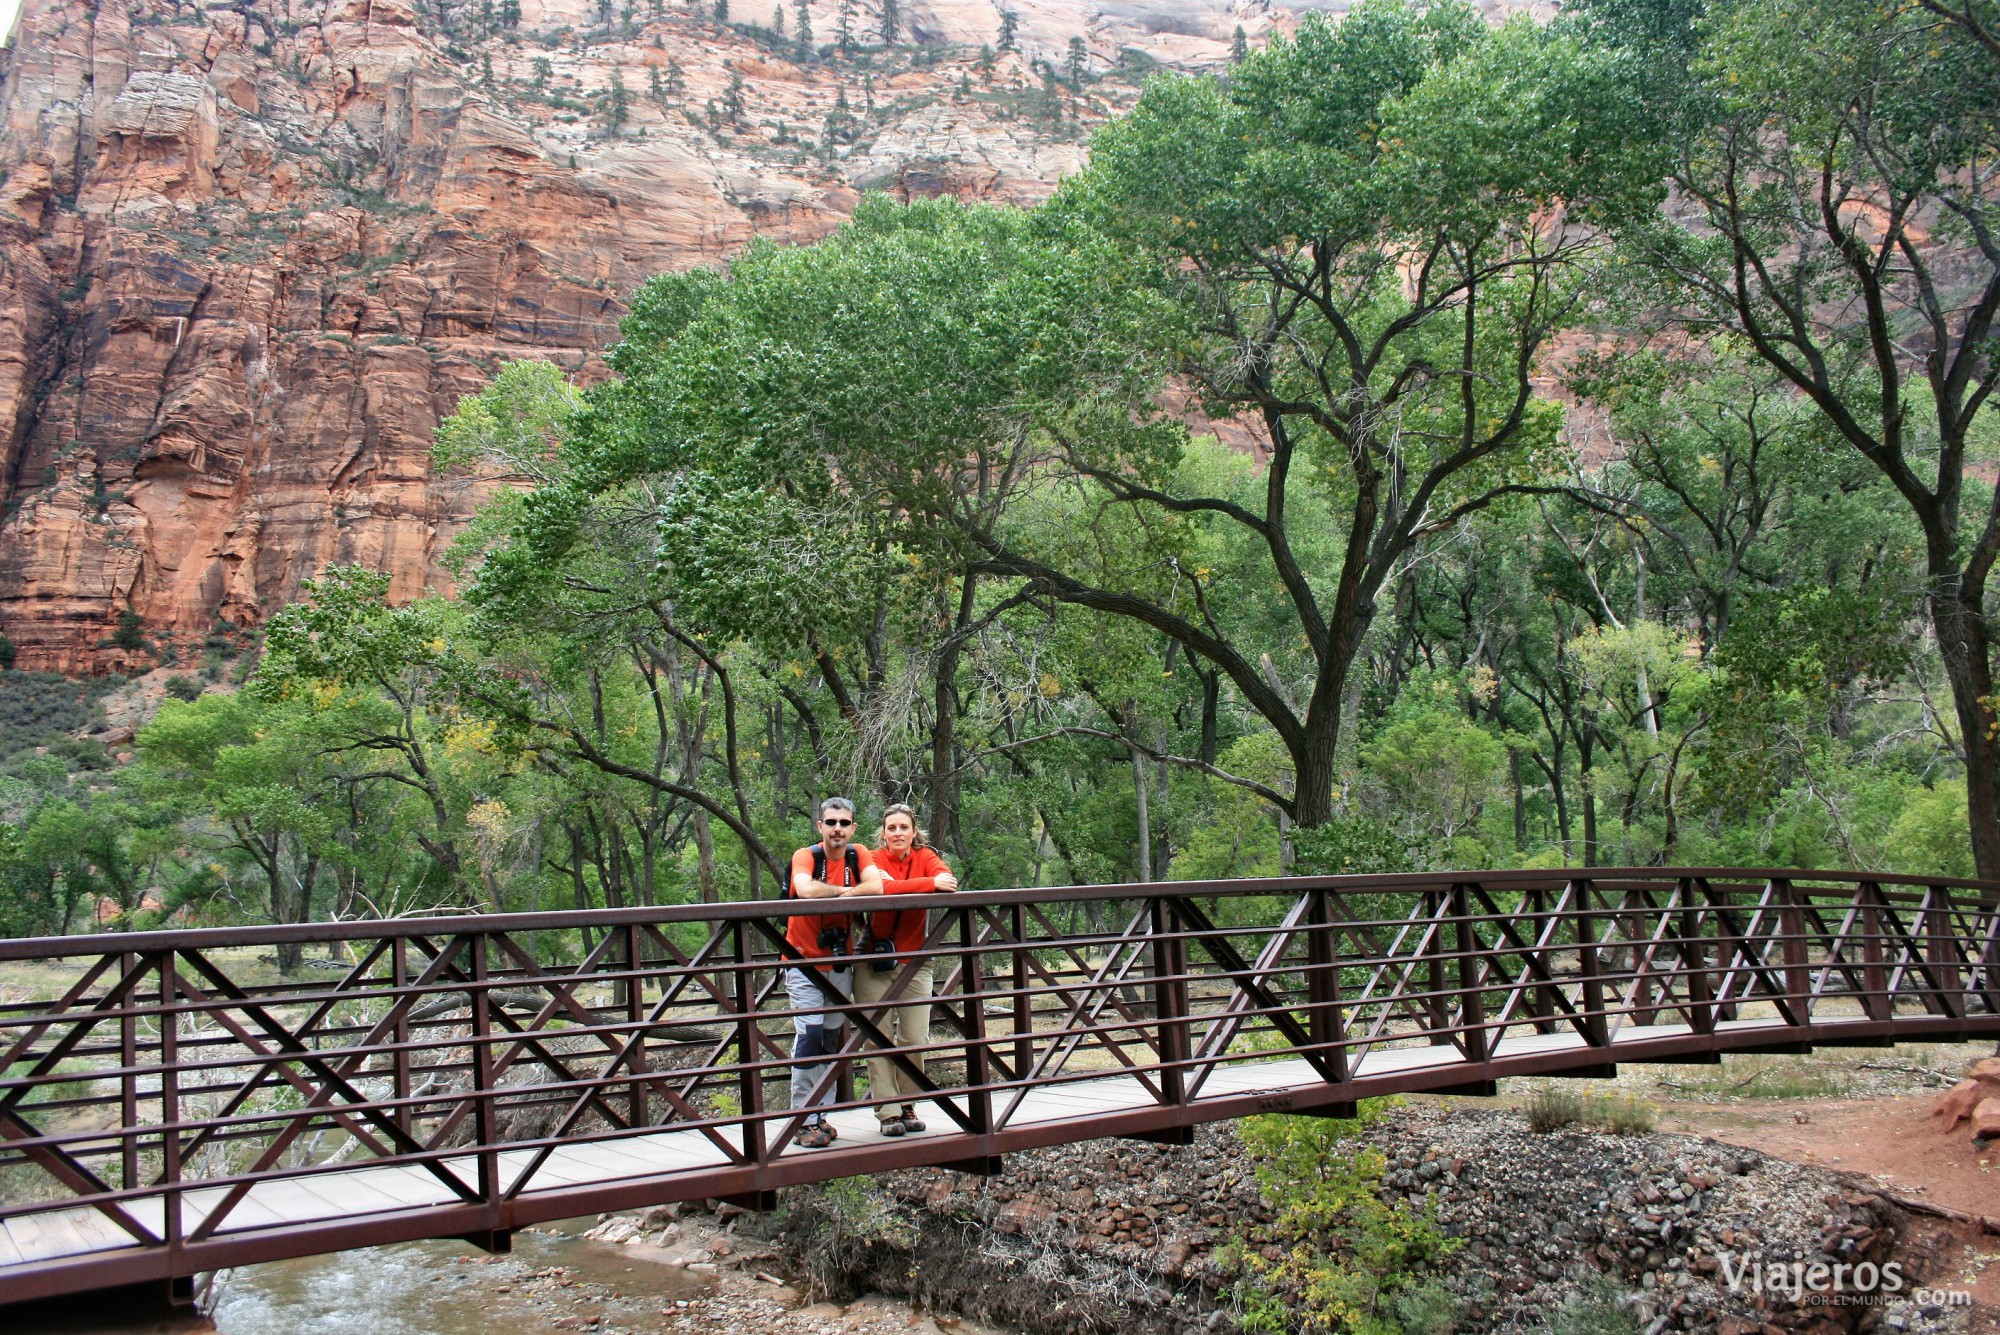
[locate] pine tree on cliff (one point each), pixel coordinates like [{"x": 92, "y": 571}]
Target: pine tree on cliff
[
  {"x": 732, "y": 100},
  {"x": 844, "y": 28},
  {"x": 1010, "y": 23},
  {"x": 1079, "y": 60},
  {"x": 805, "y": 30},
  {"x": 892, "y": 21},
  {"x": 778, "y": 21},
  {"x": 654, "y": 88},
  {"x": 1239, "y": 46},
  {"x": 617, "y": 101},
  {"x": 722, "y": 11}
]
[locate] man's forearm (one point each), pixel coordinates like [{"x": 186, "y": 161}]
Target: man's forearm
[{"x": 815, "y": 890}]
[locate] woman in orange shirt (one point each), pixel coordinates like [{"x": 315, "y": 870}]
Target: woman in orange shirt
[{"x": 903, "y": 864}]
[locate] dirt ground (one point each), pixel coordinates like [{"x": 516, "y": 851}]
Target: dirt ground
[{"x": 1859, "y": 1111}]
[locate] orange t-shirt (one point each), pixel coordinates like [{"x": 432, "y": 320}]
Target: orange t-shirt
[
  {"x": 803, "y": 929},
  {"x": 915, "y": 873}
]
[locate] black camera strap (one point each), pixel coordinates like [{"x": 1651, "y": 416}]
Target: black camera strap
[
  {"x": 853, "y": 861},
  {"x": 853, "y": 868}
]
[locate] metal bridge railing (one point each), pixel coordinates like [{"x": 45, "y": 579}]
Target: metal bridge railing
[{"x": 177, "y": 1107}]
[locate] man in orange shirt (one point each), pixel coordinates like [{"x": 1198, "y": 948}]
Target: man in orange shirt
[
  {"x": 832, "y": 867},
  {"x": 905, "y": 864}
]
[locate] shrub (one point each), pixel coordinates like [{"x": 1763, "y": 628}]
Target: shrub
[
  {"x": 1428, "y": 1309},
  {"x": 6, "y": 653},
  {"x": 1622, "y": 1115},
  {"x": 1347, "y": 1261},
  {"x": 183, "y": 687},
  {"x": 838, "y": 1228},
  {"x": 1551, "y": 1108},
  {"x": 1600, "y": 1309}
]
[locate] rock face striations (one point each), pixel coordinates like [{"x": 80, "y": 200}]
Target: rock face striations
[{"x": 252, "y": 250}]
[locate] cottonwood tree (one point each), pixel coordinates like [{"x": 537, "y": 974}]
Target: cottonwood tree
[
  {"x": 1364, "y": 240},
  {"x": 1837, "y": 195}
]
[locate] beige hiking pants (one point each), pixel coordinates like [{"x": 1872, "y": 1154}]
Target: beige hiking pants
[{"x": 906, "y": 1022}]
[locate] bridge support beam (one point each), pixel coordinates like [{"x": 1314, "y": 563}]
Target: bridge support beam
[
  {"x": 492, "y": 1241},
  {"x": 1608, "y": 1071},
  {"x": 761, "y": 1201},
  {"x": 983, "y": 1165},
  {"x": 1169, "y": 1135},
  {"x": 1472, "y": 1089}
]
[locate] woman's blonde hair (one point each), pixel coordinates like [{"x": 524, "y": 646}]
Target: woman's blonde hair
[{"x": 922, "y": 840}]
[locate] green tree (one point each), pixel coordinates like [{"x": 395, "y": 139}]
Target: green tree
[
  {"x": 617, "y": 102},
  {"x": 262, "y": 773},
  {"x": 892, "y": 21},
  {"x": 373, "y": 669},
  {"x": 1010, "y": 24},
  {"x": 1436, "y": 767},
  {"x": 1283, "y": 213},
  {"x": 1836, "y": 159}
]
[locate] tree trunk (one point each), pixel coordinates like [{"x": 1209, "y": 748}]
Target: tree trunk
[
  {"x": 578, "y": 885},
  {"x": 1211, "y": 694},
  {"x": 1965, "y": 645},
  {"x": 1589, "y": 796},
  {"x": 704, "y": 848},
  {"x": 781, "y": 773},
  {"x": 1520, "y": 801},
  {"x": 1139, "y": 786},
  {"x": 944, "y": 795}
]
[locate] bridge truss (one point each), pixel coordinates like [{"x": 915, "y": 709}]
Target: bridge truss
[{"x": 172, "y": 1110}]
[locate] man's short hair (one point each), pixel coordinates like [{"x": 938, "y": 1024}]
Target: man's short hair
[{"x": 837, "y": 804}]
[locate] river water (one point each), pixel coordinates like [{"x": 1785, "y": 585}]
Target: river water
[
  {"x": 422, "y": 1288},
  {"x": 445, "y": 1288}
]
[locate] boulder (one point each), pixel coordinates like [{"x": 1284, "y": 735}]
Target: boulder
[{"x": 1961, "y": 1102}]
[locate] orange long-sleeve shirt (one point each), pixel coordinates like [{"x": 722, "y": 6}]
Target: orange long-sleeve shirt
[
  {"x": 803, "y": 930},
  {"x": 914, "y": 873}
]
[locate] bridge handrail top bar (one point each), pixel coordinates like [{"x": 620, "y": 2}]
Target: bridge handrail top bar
[{"x": 380, "y": 929}]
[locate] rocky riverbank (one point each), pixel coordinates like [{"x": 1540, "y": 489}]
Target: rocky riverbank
[{"x": 1130, "y": 1237}]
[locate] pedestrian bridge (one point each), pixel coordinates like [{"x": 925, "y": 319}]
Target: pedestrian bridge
[{"x": 175, "y": 1106}]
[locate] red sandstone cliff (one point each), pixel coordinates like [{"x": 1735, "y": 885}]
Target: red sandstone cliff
[{"x": 252, "y": 250}]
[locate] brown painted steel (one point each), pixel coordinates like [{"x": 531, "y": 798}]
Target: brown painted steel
[{"x": 168, "y": 1113}]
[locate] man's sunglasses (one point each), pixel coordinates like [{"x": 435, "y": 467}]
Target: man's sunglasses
[{"x": 836, "y": 824}]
